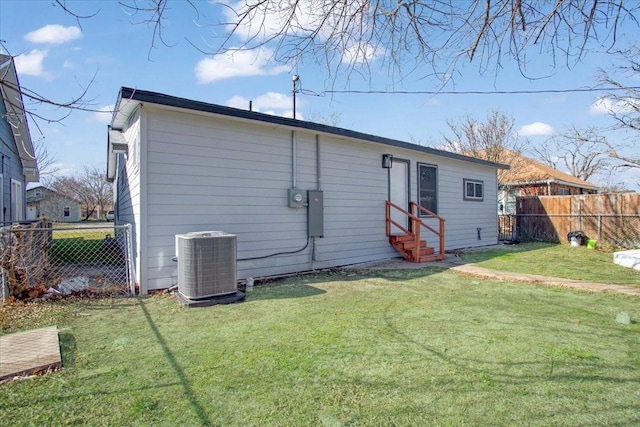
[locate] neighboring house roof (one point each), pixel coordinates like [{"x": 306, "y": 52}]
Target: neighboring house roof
[
  {"x": 526, "y": 171},
  {"x": 129, "y": 99},
  {"x": 45, "y": 192},
  {"x": 16, "y": 117}
]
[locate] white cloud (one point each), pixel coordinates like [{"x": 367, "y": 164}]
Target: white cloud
[
  {"x": 600, "y": 106},
  {"x": 54, "y": 34},
  {"x": 265, "y": 21},
  {"x": 361, "y": 53},
  {"x": 104, "y": 115},
  {"x": 238, "y": 102},
  {"x": 273, "y": 100},
  {"x": 311, "y": 19},
  {"x": 611, "y": 106},
  {"x": 276, "y": 104},
  {"x": 237, "y": 63},
  {"x": 536, "y": 128},
  {"x": 31, "y": 63}
]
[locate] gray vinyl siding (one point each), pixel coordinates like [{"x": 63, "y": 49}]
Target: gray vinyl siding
[
  {"x": 11, "y": 167},
  {"x": 210, "y": 173},
  {"x": 127, "y": 182},
  {"x": 231, "y": 176},
  {"x": 462, "y": 218}
]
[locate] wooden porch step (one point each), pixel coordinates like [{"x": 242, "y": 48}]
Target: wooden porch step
[
  {"x": 401, "y": 238},
  {"x": 406, "y": 246},
  {"x": 410, "y": 244},
  {"x": 423, "y": 251},
  {"x": 431, "y": 258}
]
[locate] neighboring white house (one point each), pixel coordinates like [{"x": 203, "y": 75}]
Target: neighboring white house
[
  {"x": 180, "y": 166},
  {"x": 44, "y": 202}
]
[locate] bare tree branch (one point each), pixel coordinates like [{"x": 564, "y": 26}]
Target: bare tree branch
[
  {"x": 405, "y": 34},
  {"x": 624, "y": 108},
  {"x": 494, "y": 140},
  {"x": 582, "y": 152},
  {"x": 47, "y": 161},
  {"x": 90, "y": 188}
]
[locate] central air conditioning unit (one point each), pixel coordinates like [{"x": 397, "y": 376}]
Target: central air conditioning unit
[{"x": 206, "y": 264}]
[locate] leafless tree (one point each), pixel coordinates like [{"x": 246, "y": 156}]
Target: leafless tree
[
  {"x": 582, "y": 152},
  {"x": 624, "y": 108},
  {"x": 404, "y": 34},
  {"x": 47, "y": 160},
  {"x": 485, "y": 140},
  {"x": 331, "y": 119},
  {"x": 494, "y": 140},
  {"x": 90, "y": 188}
]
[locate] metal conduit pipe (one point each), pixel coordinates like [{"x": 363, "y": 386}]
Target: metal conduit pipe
[
  {"x": 294, "y": 165},
  {"x": 318, "y": 176},
  {"x": 314, "y": 254}
]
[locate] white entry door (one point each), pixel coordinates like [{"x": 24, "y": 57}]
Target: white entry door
[
  {"x": 32, "y": 213},
  {"x": 399, "y": 192}
]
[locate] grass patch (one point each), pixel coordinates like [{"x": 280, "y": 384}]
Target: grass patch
[
  {"x": 82, "y": 246},
  {"x": 548, "y": 259},
  {"x": 411, "y": 347}
]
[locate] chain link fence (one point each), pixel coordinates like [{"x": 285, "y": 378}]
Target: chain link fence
[
  {"x": 621, "y": 231},
  {"x": 40, "y": 258}
]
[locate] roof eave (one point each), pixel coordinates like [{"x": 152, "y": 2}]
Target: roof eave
[
  {"x": 17, "y": 119},
  {"x": 129, "y": 99},
  {"x": 548, "y": 181}
]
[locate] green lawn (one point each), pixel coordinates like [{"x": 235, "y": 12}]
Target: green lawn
[
  {"x": 78, "y": 246},
  {"x": 411, "y": 347},
  {"x": 549, "y": 259}
]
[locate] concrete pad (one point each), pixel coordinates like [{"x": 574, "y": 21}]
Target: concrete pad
[
  {"x": 25, "y": 353},
  {"x": 238, "y": 296},
  {"x": 629, "y": 259}
]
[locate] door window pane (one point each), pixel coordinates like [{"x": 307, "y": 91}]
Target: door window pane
[{"x": 428, "y": 187}]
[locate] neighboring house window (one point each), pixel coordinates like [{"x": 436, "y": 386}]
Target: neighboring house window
[
  {"x": 564, "y": 192},
  {"x": 16, "y": 201},
  {"x": 428, "y": 187},
  {"x": 67, "y": 211},
  {"x": 473, "y": 190}
]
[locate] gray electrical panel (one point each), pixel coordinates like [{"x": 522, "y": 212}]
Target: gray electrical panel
[{"x": 315, "y": 200}]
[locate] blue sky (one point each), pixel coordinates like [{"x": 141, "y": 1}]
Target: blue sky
[{"x": 57, "y": 56}]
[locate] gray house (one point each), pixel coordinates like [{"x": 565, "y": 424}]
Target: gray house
[
  {"x": 44, "y": 202},
  {"x": 298, "y": 195},
  {"x": 19, "y": 165}
]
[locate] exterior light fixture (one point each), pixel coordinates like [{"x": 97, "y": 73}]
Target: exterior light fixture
[
  {"x": 118, "y": 148},
  {"x": 387, "y": 161}
]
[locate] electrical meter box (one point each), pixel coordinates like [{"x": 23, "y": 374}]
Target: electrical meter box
[
  {"x": 315, "y": 216},
  {"x": 296, "y": 198}
]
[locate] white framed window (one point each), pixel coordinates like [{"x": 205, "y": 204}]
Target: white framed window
[
  {"x": 66, "y": 211},
  {"x": 17, "y": 201},
  {"x": 473, "y": 190}
]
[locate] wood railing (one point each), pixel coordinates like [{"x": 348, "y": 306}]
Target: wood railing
[{"x": 416, "y": 224}]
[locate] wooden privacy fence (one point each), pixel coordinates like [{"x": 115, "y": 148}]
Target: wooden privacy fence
[{"x": 611, "y": 219}]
